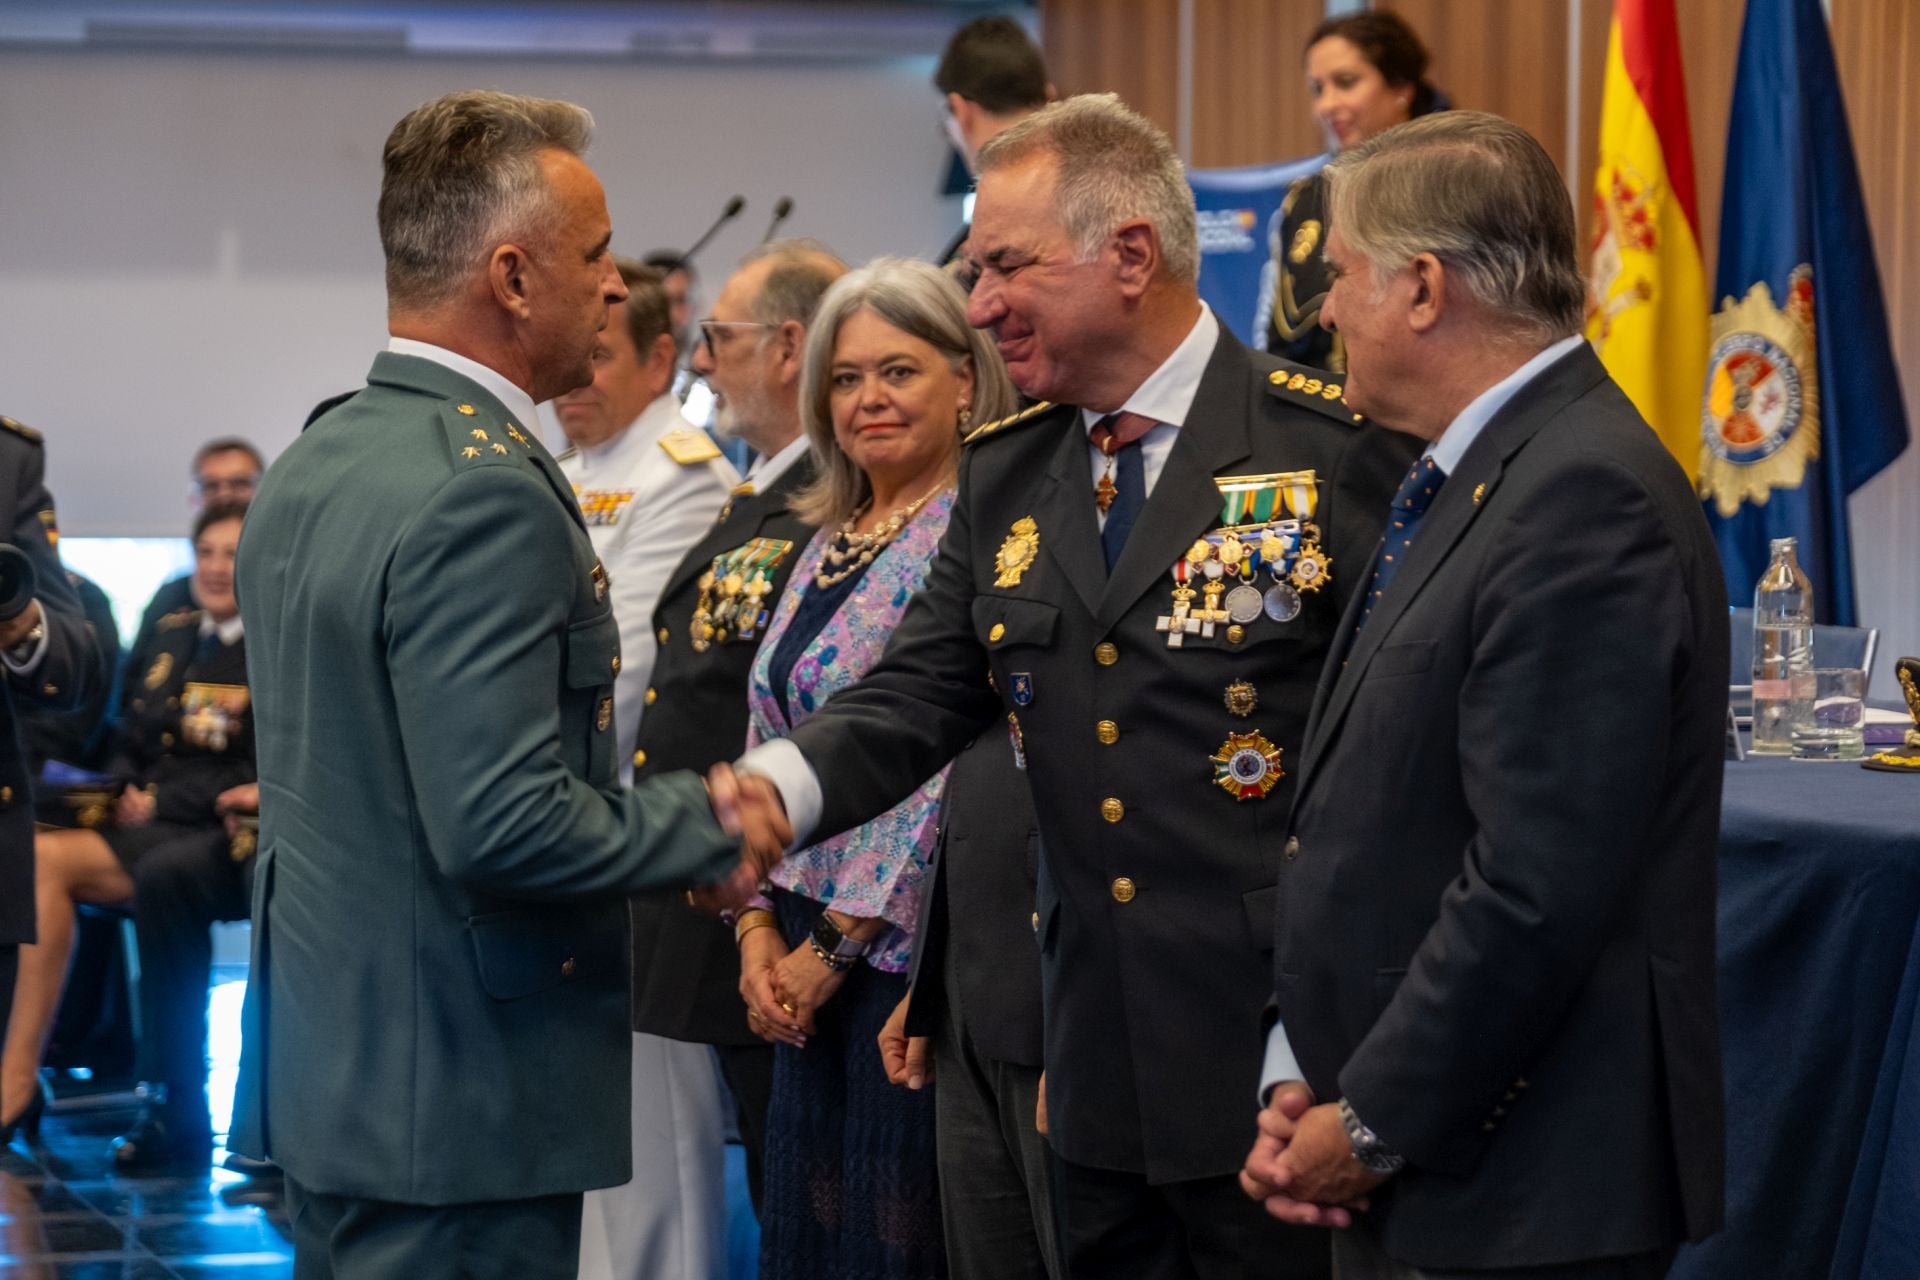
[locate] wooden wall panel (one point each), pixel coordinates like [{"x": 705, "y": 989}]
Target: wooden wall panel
[
  {"x": 1877, "y": 46},
  {"x": 1132, "y": 49},
  {"x": 1504, "y": 56},
  {"x": 1249, "y": 91}
]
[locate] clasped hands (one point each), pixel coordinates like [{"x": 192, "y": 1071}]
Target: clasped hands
[
  {"x": 1302, "y": 1167},
  {"x": 749, "y": 806}
]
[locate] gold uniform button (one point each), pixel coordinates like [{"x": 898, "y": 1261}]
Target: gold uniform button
[
  {"x": 1106, "y": 653},
  {"x": 1236, "y": 633},
  {"x": 1112, "y": 810},
  {"x": 6, "y": 796},
  {"x": 50, "y": 689},
  {"x": 662, "y": 635},
  {"x": 999, "y": 629},
  {"x": 166, "y": 739},
  {"x": 568, "y": 966},
  {"x": 616, "y": 664},
  {"x": 639, "y": 759},
  {"x": 652, "y": 696},
  {"x": 1107, "y": 731},
  {"x": 1123, "y": 889}
]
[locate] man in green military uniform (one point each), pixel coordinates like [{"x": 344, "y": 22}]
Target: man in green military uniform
[{"x": 437, "y": 1050}]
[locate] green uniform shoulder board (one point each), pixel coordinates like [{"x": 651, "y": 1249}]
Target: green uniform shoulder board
[
  {"x": 475, "y": 437},
  {"x": 20, "y": 429},
  {"x": 1316, "y": 389},
  {"x": 1001, "y": 424}
]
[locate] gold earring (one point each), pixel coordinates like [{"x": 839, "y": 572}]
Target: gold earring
[{"x": 966, "y": 416}]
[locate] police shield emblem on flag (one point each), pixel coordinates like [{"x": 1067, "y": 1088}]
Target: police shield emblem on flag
[{"x": 1761, "y": 422}]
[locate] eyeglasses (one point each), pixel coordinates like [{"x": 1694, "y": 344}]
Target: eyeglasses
[
  {"x": 221, "y": 486},
  {"x": 708, "y": 326}
]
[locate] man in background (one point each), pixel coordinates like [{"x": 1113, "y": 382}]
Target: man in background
[
  {"x": 686, "y": 969},
  {"x": 649, "y": 485},
  {"x": 992, "y": 77},
  {"x": 225, "y": 469}
]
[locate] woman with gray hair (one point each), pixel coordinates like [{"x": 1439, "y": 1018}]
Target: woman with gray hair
[{"x": 892, "y": 377}]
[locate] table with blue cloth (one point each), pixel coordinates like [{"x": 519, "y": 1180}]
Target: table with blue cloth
[{"x": 1819, "y": 988}]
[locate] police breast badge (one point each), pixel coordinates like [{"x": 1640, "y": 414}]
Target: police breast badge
[
  {"x": 1760, "y": 426},
  {"x": 1017, "y": 552}
]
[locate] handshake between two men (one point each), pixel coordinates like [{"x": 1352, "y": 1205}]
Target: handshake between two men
[{"x": 748, "y": 806}]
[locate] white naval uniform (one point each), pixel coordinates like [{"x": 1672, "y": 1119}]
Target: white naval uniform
[{"x": 644, "y": 510}]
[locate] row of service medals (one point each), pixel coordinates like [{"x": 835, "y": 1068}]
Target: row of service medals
[
  {"x": 735, "y": 593},
  {"x": 1223, "y": 569}
]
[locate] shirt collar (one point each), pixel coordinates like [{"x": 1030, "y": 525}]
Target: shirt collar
[
  {"x": 770, "y": 467},
  {"x": 1167, "y": 394},
  {"x": 1453, "y": 443},
  {"x": 229, "y": 631},
  {"x": 518, "y": 403}
]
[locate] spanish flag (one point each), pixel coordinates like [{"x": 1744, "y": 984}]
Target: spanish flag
[{"x": 1647, "y": 306}]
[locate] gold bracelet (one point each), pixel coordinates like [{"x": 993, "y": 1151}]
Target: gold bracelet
[{"x": 758, "y": 918}]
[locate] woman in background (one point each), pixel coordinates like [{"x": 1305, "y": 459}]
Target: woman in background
[
  {"x": 892, "y": 377},
  {"x": 1366, "y": 72}
]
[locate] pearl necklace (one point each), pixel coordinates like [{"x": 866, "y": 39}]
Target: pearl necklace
[{"x": 849, "y": 552}]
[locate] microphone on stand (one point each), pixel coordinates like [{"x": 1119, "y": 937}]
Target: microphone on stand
[
  {"x": 781, "y": 208},
  {"x": 728, "y": 214}
]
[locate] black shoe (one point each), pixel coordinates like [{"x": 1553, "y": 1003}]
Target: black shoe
[
  {"x": 158, "y": 1140},
  {"x": 28, "y": 1121}
]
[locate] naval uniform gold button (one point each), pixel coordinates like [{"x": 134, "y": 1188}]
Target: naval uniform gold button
[
  {"x": 1112, "y": 810},
  {"x": 662, "y": 635},
  {"x": 616, "y": 664},
  {"x": 1106, "y": 653},
  {"x": 1236, "y": 633},
  {"x": 1292, "y": 849},
  {"x": 568, "y": 966},
  {"x": 1123, "y": 889},
  {"x": 999, "y": 629},
  {"x": 639, "y": 759},
  {"x": 166, "y": 739},
  {"x": 652, "y": 694},
  {"x": 1107, "y": 731}
]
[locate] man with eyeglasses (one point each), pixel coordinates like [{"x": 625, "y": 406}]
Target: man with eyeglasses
[
  {"x": 686, "y": 972},
  {"x": 225, "y": 469}
]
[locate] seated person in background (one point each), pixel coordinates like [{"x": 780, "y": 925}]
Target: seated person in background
[
  {"x": 82, "y": 737},
  {"x": 225, "y": 469},
  {"x": 185, "y": 751}
]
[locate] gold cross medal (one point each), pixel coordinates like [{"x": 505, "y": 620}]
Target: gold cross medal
[
  {"x": 1180, "y": 623},
  {"x": 1312, "y": 567},
  {"x": 1247, "y": 766},
  {"x": 762, "y": 555},
  {"x": 1017, "y": 552}
]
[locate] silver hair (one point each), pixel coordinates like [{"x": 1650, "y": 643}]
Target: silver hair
[
  {"x": 916, "y": 298},
  {"x": 1482, "y": 196},
  {"x": 801, "y": 271},
  {"x": 1114, "y": 165},
  {"x": 461, "y": 174}
]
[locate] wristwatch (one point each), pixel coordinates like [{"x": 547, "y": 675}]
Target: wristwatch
[
  {"x": 1368, "y": 1149},
  {"x": 836, "y": 948}
]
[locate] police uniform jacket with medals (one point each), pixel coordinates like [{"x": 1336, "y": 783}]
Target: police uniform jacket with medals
[
  {"x": 187, "y": 728},
  {"x": 1301, "y": 280},
  {"x": 437, "y": 1013},
  {"x": 66, "y": 668},
  {"x": 1159, "y": 759},
  {"x": 686, "y": 968},
  {"x": 646, "y": 495}
]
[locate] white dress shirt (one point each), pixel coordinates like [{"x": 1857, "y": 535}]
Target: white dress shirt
[{"x": 768, "y": 467}]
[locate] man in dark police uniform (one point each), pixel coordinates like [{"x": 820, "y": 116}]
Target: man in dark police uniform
[
  {"x": 1150, "y": 564},
  {"x": 437, "y": 1048}
]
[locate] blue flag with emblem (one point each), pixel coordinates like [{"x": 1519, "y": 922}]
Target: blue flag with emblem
[{"x": 1802, "y": 402}]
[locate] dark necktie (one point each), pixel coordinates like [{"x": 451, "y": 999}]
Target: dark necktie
[
  {"x": 1122, "y": 492},
  {"x": 1410, "y": 503},
  {"x": 206, "y": 648}
]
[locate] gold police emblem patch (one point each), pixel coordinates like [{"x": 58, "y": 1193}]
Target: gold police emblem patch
[{"x": 1017, "y": 552}]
